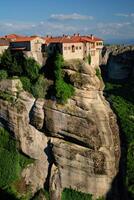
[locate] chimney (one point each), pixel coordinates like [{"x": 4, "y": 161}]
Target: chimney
[
  {"x": 74, "y": 34},
  {"x": 63, "y": 35},
  {"x": 92, "y": 37},
  {"x": 78, "y": 34}
]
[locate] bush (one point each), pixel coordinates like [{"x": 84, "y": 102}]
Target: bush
[
  {"x": 63, "y": 89},
  {"x": 40, "y": 87},
  {"x": 3, "y": 74},
  {"x": 98, "y": 73},
  {"x": 11, "y": 161},
  {"x": 26, "y": 83},
  {"x": 10, "y": 64},
  {"x": 31, "y": 69},
  {"x": 69, "y": 194},
  {"x": 6, "y": 60}
]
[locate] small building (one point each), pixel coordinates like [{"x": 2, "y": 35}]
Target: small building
[
  {"x": 3, "y": 45},
  {"x": 76, "y": 47},
  {"x": 33, "y": 44}
]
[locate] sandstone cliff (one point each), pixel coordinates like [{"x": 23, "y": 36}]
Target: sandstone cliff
[
  {"x": 119, "y": 61},
  {"x": 74, "y": 145}
]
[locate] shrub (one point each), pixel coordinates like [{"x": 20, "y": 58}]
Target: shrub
[
  {"x": 26, "y": 83},
  {"x": 40, "y": 87},
  {"x": 6, "y": 60},
  {"x": 63, "y": 89},
  {"x": 98, "y": 73},
  {"x": 3, "y": 74},
  {"x": 11, "y": 161},
  {"x": 31, "y": 68},
  {"x": 70, "y": 194},
  {"x": 10, "y": 64}
]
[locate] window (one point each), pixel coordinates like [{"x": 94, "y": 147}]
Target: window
[
  {"x": 68, "y": 48},
  {"x": 73, "y": 48},
  {"x": 76, "y": 48},
  {"x": 79, "y": 47},
  {"x": 65, "y": 48}
]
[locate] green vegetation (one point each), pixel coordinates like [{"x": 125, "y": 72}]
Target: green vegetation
[
  {"x": 121, "y": 97},
  {"x": 3, "y": 74},
  {"x": 26, "y": 83},
  {"x": 7, "y": 96},
  {"x": 98, "y": 73},
  {"x": 70, "y": 194},
  {"x": 63, "y": 90},
  {"x": 11, "y": 160},
  {"x": 40, "y": 88},
  {"x": 31, "y": 69},
  {"x": 27, "y": 69}
]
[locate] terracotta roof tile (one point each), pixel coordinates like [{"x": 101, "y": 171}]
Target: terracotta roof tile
[{"x": 71, "y": 39}]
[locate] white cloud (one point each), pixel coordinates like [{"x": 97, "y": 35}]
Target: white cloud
[
  {"x": 124, "y": 15},
  {"x": 74, "y": 16},
  {"x": 104, "y": 30},
  {"x": 121, "y": 15}
]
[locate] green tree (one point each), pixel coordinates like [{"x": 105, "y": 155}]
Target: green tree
[
  {"x": 31, "y": 68},
  {"x": 63, "y": 89},
  {"x": 6, "y": 60},
  {"x": 40, "y": 87}
]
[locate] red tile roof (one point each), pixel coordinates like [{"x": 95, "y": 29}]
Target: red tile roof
[
  {"x": 24, "y": 39},
  {"x": 18, "y": 38},
  {"x": 71, "y": 39},
  {"x": 11, "y": 36}
]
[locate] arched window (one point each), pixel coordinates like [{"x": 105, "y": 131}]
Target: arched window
[{"x": 73, "y": 48}]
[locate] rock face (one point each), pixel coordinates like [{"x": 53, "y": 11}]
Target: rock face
[
  {"x": 119, "y": 61},
  {"x": 74, "y": 145}
]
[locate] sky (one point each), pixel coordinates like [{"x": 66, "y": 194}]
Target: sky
[{"x": 108, "y": 19}]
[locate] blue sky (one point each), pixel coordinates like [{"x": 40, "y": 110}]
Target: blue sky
[{"x": 105, "y": 18}]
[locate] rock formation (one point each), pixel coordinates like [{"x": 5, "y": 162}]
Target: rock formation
[
  {"x": 118, "y": 61},
  {"x": 74, "y": 145}
]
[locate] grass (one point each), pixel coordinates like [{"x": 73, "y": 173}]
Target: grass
[{"x": 12, "y": 162}]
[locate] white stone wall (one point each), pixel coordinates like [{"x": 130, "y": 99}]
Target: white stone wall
[
  {"x": 2, "y": 49},
  {"x": 68, "y": 52},
  {"x": 95, "y": 57},
  {"x": 36, "y": 44}
]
